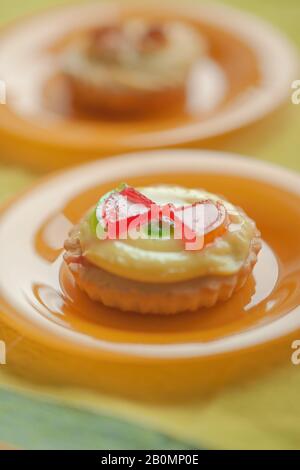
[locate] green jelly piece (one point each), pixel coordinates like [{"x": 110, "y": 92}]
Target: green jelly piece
[
  {"x": 93, "y": 222},
  {"x": 160, "y": 229}
]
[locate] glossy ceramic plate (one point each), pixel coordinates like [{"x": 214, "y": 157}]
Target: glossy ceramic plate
[
  {"x": 236, "y": 85},
  {"x": 41, "y": 302}
]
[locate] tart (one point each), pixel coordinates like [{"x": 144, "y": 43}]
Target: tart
[
  {"x": 131, "y": 67},
  {"x": 162, "y": 249}
]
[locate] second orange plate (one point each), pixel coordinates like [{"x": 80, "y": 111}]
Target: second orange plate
[{"x": 237, "y": 84}]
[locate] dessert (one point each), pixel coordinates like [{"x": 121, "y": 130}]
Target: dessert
[
  {"x": 162, "y": 249},
  {"x": 131, "y": 67}
]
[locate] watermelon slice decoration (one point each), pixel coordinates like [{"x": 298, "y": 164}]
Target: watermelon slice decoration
[
  {"x": 117, "y": 209},
  {"x": 205, "y": 219},
  {"x": 200, "y": 222}
]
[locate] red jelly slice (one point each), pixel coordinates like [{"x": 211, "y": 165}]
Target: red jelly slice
[
  {"x": 134, "y": 196},
  {"x": 205, "y": 219},
  {"x": 119, "y": 208}
]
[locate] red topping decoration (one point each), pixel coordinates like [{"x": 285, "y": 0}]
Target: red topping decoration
[
  {"x": 136, "y": 197},
  {"x": 197, "y": 224}
]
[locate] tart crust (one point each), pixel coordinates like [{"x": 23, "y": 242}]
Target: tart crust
[
  {"x": 155, "y": 298},
  {"x": 113, "y": 101}
]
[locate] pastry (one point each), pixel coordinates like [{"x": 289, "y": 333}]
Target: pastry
[
  {"x": 132, "y": 67},
  {"x": 162, "y": 249}
]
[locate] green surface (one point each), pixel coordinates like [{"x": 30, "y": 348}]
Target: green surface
[
  {"x": 12, "y": 180},
  {"x": 33, "y": 424}
]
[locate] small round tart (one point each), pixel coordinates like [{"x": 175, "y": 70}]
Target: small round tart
[
  {"x": 150, "y": 267},
  {"x": 135, "y": 66}
]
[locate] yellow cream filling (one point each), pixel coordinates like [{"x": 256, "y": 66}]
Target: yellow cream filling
[{"x": 165, "y": 260}]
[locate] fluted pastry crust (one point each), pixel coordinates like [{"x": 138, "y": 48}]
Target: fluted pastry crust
[{"x": 151, "y": 298}]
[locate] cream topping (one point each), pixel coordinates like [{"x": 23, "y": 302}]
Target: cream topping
[
  {"x": 165, "y": 259},
  {"x": 137, "y": 68}
]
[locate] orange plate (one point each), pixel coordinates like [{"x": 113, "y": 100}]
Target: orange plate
[
  {"x": 69, "y": 339},
  {"x": 237, "y": 85}
]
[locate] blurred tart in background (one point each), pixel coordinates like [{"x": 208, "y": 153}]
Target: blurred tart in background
[
  {"x": 136, "y": 66},
  {"x": 157, "y": 272}
]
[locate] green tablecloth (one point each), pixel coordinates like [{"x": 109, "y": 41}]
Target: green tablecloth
[{"x": 264, "y": 414}]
